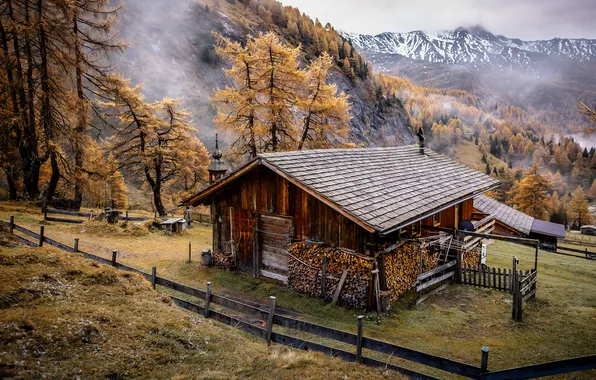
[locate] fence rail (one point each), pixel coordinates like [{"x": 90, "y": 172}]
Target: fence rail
[
  {"x": 277, "y": 318},
  {"x": 588, "y": 254}
]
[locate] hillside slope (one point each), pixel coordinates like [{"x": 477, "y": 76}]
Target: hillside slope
[
  {"x": 176, "y": 58},
  {"x": 62, "y": 316}
]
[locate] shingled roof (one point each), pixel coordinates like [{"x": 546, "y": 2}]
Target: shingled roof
[
  {"x": 383, "y": 188},
  {"x": 504, "y": 214}
]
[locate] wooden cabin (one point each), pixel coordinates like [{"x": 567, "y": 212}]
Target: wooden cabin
[
  {"x": 511, "y": 222},
  {"x": 355, "y": 199}
]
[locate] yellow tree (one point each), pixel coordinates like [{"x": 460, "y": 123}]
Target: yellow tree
[
  {"x": 151, "y": 138},
  {"x": 589, "y": 113},
  {"x": 531, "y": 196},
  {"x": 578, "y": 208},
  {"x": 237, "y": 105},
  {"x": 326, "y": 113},
  {"x": 593, "y": 190},
  {"x": 118, "y": 191},
  {"x": 278, "y": 80}
]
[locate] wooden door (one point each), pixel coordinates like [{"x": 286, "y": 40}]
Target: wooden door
[
  {"x": 275, "y": 234},
  {"x": 242, "y": 232}
]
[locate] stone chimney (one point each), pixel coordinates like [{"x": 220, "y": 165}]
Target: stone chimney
[
  {"x": 420, "y": 135},
  {"x": 217, "y": 167}
]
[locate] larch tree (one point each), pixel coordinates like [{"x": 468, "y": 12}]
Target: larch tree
[
  {"x": 592, "y": 192},
  {"x": 153, "y": 138},
  {"x": 237, "y": 105},
  {"x": 578, "y": 211},
  {"x": 531, "y": 196},
  {"x": 278, "y": 82},
  {"x": 326, "y": 113}
]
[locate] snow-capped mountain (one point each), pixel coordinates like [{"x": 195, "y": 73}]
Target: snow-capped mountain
[{"x": 475, "y": 47}]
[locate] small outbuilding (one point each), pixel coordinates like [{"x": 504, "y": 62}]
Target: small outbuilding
[
  {"x": 512, "y": 222},
  {"x": 588, "y": 230}
]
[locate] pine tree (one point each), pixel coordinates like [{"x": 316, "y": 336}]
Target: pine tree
[
  {"x": 326, "y": 113},
  {"x": 578, "y": 212}
]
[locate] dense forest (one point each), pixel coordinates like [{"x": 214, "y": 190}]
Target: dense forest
[
  {"x": 514, "y": 147},
  {"x": 75, "y": 132}
]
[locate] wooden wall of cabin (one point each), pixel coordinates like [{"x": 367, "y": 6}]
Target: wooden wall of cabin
[{"x": 264, "y": 191}]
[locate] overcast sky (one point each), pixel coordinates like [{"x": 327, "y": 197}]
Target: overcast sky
[{"x": 525, "y": 19}]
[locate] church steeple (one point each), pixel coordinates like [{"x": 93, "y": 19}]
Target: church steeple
[{"x": 218, "y": 167}]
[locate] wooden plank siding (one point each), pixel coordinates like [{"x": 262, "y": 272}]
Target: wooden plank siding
[{"x": 262, "y": 191}]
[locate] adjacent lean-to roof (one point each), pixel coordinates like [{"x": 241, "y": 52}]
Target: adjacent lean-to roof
[
  {"x": 382, "y": 189},
  {"x": 547, "y": 228},
  {"x": 504, "y": 214}
]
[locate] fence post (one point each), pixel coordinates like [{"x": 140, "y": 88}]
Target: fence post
[
  {"x": 76, "y": 245},
  {"x": 484, "y": 361},
  {"x": 359, "y": 339},
  {"x": 41, "y": 228},
  {"x": 153, "y": 277},
  {"x": 208, "y": 299},
  {"x": 536, "y": 257},
  {"x": 514, "y": 287},
  {"x": 127, "y": 215},
  {"x": 458, "y": 272},
  {"x": 189, "y": 251},
  {"x": 270, "y": 319},
  {"x": 114, "y": 255},
  {"x": 12, "y": 224}
]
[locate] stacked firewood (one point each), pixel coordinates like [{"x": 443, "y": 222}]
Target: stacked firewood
[
  {"x": 471, "y": 258},
  {"x": 337, "y": 260},
  {"x": 305, "y": 273},
  {"x": 223, "y": 260},
  {"x": 402, "y": 266}
]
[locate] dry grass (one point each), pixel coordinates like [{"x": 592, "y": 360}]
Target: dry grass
[
  {"x": 560, "y": 323},
  {"x": 62, "y": 316}
]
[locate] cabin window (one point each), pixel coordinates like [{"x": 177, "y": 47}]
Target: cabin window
[{"x": 437, "y": 219}]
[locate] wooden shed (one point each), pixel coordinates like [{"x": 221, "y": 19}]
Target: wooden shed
[
  {"x": 355, "y": 199},
  {"x": 512, "y": 222}
]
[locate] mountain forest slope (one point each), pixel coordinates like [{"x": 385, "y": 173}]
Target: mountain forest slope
[{"x": 177, "y": 59}]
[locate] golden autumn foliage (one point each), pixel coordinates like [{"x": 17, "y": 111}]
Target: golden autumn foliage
[
  {"x": 577, "y": 210},
  {"x": 274, "y": 105},
  {"x": 154, "y": 139},
  {"x": 531, "y": 196}
]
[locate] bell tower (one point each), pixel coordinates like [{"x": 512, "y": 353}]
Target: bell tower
[{"x": 217, "y": 167}]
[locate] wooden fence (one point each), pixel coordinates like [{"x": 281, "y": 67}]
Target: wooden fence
[
  {"x": 86, "y": 215},
  {"x": 587, "y": 254},
  {"x": 441, "y": 275},
  {"x": 487, "y": 277},
  {"x": 524, "y": 285},
  {"x": 274, "y": 316}
]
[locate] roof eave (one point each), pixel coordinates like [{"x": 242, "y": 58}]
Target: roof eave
[
  {"x": 391, "y": 230},
  {"x": 201, "y": 195}
]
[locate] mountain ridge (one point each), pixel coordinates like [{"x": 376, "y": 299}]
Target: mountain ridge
[{"x": 475, "y": 46}]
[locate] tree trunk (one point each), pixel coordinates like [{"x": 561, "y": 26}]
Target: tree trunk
[
  {"x": 81, "y": 119},
  {"x": 12, "y": 186},
  {"x": 55, "y": 177}
]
